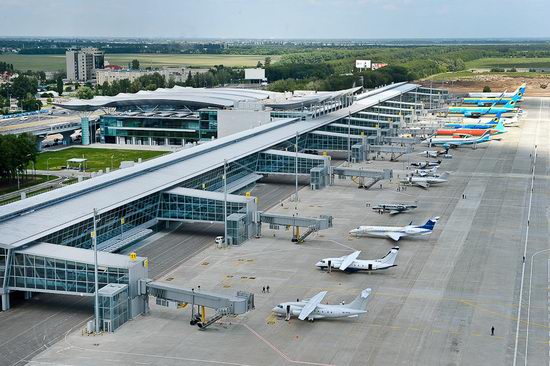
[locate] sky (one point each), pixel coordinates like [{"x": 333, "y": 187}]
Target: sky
[{"x": 265, "y": 19}]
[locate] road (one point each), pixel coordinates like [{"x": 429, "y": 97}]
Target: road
[
  {"x": 32, "y": 326},
  {"x": 37, "y": 122}
]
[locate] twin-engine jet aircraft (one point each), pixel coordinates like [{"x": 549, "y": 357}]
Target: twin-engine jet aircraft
[
  {"x": 396, "y": 232},
  {"x": 425, "y": 182},
  {"x": 394, "y": 208}
]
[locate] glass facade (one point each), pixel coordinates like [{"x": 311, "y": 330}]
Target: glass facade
[
  {"x": 108, "y": 224},
  {"x": 174, "y": 206},
  {"x": 40, "y": 273},
  {"x": 157, "y": 129},
  {"x": 335, "y": 143},
  {"x": 275, "y": 163},
  {"x": 113, "y": 308},
  {"x": 237, "y": 228},
  {"x": 3, "y": 259}
]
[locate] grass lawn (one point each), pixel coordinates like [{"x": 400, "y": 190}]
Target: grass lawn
[
  {"x": 509, "y": 62},
  {"x": 57, "y": 62},
  {"x": 7, "y": 187},
  {"x": 97, "y": 158}
]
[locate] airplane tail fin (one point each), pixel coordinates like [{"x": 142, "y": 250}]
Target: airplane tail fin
[
  {"x": 500, "y": 127},
  {"x": 496, "y": 118},
  {"x": 430, "y": 224},
  {"x": 521, "y": 90},
  {"x": 389, "y": 258},
  {"x": 444, "y": 175},
  {"x": 360, "y": 302},
  {"x": 510, "y": 104}
]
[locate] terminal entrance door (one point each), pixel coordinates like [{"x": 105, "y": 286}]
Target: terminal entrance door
[{"x": 107, "y": 326}]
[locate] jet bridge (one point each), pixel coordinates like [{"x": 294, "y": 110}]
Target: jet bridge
[
  {"x": 417, "y": 131},
  {"x": 312, "y": 224},
  {"x": 395, "y": 151},
  {"x": 175, "y": 297},
  {"x": 359, "y": 175},
  {"x": 400, "y": 140}
]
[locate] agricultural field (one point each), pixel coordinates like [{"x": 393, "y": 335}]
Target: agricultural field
[
  {"x": 97, "y": 158},
  {"x": 57, "y": 62},
  {"x": 509, "y": 62}
]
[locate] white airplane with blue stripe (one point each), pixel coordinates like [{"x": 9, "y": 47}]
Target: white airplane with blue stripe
[{"x": 396, "y": 232}]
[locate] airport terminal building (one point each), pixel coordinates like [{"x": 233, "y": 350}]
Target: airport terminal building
[
  {"x": 45, "y": 240},
  {"x": 183, "y": 116}
]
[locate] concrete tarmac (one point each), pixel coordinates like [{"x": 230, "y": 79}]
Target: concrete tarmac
[
  {"x": 34, "y": 325},
  {"x": 436, "y": 307}
]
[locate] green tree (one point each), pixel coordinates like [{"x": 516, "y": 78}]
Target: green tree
[
  {"x": 486, "y": 89},
  {"x": 23, "y": 85},
  {"x": 84, "y": 93},
  {"x": 267, "y": 62},
  {"x": 189, "y": 81},
  {"x": 30, "y": 103},
  {"x": 17, "y": 152},
  {"x": 259, "y": 65},
  {"x": 59, "y": 85},
  {"x": 134, "y": 65},
  {"x": 136, "y": 86}
]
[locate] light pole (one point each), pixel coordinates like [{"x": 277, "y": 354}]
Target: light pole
[
  {"x": 96, "y": 284},
  {"x": 48, "y": 163},
  {"x": 349, "y": 137},
  {"x": 225, "y": 201},
  {"x": 112, "y": 156},
  {"x": 296, "y": 171}
]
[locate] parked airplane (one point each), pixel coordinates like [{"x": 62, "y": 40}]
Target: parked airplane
[
  {"x": 350, "y": 263},
  {"x": 425, "y": 164},
  {"x": 396, "y": 232},
  {"x": 434, "y": 153},
  {"x": 426, "y": 172},
  {"x": 425, "y": 182},
  {"x": 485, "y": 101},
  {"x": 474, "y": 130},
  {"x": 497, "y": 95},
  {"x": 457, "y": 140},
  {"x": 482, "y": 123},
  {"x": 395, "y": 208},
  {"x": 481, "y": 111},
  {"x": 312, "y": 309}
]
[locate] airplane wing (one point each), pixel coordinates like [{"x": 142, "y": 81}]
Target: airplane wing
[
  {"x": 422, "y": 184},
  {"x": 349, "y": 260},
  {"x": 311, "y": 305},
  {"x": 394, "y": 212},
  {"x": 394, "y": 236}
]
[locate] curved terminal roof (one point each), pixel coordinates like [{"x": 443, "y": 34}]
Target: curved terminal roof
[
  {"x": 176, "y": 96},
  {"x": 23, "y": 221},
  {"x": 202, "y": 97}
]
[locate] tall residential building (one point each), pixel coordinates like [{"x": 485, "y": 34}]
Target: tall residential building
[{"x": 83, "y": 63}]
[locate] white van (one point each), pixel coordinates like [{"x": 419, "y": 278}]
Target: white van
[{"x": 219, "y": 240}]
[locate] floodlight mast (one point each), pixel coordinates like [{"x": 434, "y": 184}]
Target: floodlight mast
[
  {"x": 96, "y": 284},
  {"x": 225, "y": 201}
]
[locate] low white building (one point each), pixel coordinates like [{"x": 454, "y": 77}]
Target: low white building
[{"x": 177, "y": 74}]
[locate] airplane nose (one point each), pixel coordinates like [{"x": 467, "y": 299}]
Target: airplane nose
[{"x": 319, "y": 264}]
